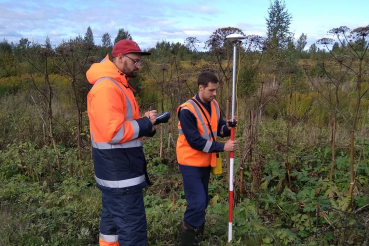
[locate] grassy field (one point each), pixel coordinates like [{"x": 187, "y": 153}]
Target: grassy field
[{"x": 287, "y": 196}]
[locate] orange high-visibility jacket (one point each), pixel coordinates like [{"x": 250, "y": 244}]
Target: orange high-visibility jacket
[
  {"x": 187, "y": 155},
  {"x": 116, "y": 128}
]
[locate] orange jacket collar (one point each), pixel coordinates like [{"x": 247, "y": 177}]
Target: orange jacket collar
[{"x": 106, "y": 68}]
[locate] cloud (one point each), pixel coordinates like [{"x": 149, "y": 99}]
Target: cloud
[
  {"x": 196, "y": 9},
  {"x": 32, "y": 23},
  {"x": 147, "y": 21},
  {"x": 197, "y": 33}
]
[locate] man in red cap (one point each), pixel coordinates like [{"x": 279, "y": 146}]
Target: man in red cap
[{"x": 116, "y": 129}]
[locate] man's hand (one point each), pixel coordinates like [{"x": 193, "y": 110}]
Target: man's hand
[
  {"x": 230, "y": 145},
  {"x": 229, "y": 122},
  {"x": 151, "y": 115}
]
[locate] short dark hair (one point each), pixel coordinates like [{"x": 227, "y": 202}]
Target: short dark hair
[{"x": 206, "y": 77}]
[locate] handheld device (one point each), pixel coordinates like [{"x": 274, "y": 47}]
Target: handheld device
[{"x": 162, "y": 118}]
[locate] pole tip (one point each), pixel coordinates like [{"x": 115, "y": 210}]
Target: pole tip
[{"x": 235, "y": 37}]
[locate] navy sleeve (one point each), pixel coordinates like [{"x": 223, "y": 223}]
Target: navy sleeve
[
  {"x": 151, "y": 134},
  {"x": 223, "y": 124},
  {"x": 145, "y": 127},
  {"x": 189, "y": 128}
]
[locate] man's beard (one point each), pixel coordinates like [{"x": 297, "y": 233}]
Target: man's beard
[{"x": 131, "y": 74}]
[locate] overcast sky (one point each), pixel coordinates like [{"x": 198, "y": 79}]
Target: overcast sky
[{"x": 174, "y": 21}]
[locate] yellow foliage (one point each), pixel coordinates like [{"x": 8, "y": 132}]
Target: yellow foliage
[
  {"x": 318, "y": 114},
  {"x": 10, "y": 81},
  {"x": 25, "y": 79},
  {"x": 364, "y": 103},
  {"x": 299, "y": 104}
]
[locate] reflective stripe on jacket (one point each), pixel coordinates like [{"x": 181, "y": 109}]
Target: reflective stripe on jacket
[
  {"x": 187, "y": 155},
  {"x": 108, "y": 240},
  {"x": 116, "y": 128}
]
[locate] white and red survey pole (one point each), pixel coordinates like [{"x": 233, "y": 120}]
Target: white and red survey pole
[{"x": 233, "y": 38}]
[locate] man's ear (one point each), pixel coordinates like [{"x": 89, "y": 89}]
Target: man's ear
[{"x": 120, "y": 58}]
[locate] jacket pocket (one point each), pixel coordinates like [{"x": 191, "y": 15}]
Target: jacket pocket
[{"x": 122, "y": 160}]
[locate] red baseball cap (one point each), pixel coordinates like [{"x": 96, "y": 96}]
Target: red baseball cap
[{"x": 126, "y": 46}]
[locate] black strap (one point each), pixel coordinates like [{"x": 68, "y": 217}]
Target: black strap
[{"x": 203, "y": 112}]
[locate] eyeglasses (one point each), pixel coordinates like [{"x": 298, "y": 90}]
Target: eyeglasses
[{"x": 136, "y": 62}]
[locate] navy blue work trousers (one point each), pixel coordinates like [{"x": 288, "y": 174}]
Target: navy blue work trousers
[
  {"x": 123, "y": 214},
  {"x": 195, "y": 183}
]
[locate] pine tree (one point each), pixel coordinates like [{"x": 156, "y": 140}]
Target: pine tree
[
  {"x": 313, "y": 50},
  {"x": 5, "y": 47},
  {"x": 301, "y": 43},
  {"x": 122, "y": 34},
  {"x": 47, "y": 43},
  {"x": 106, "y": 40},
  {"x": 336, "y": 46},
  {"x": 89, "y": 37}
]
